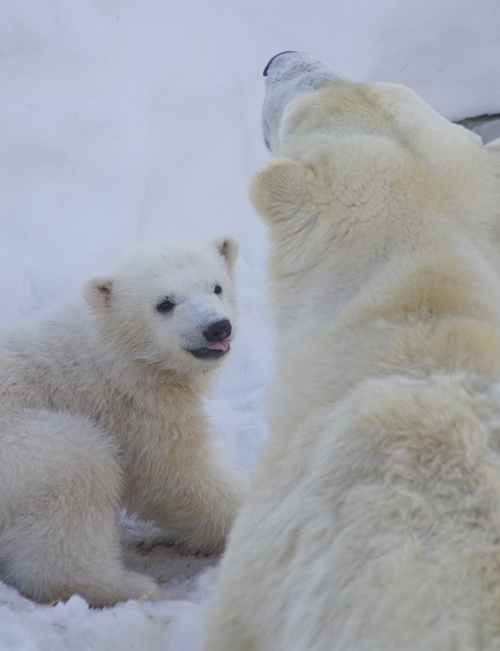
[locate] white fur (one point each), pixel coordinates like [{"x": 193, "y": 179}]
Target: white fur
[
  {"x": 373, "y": 521},
  {"x": 101, "y": 406}
]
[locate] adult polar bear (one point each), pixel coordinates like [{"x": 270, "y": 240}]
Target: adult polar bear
[
  {"x": 100, "y": 406},
  {"x": 373, "y": 521}
]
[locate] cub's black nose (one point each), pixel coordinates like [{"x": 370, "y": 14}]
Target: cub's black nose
[
  {"x": 218, "y": 331},
  {"x": 274, "y": 57}
]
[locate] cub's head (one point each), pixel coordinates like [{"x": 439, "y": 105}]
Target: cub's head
[{"x": 168, "y": 305}]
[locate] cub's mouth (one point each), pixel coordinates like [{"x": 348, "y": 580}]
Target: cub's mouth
[{"x": 216, "y": 350}]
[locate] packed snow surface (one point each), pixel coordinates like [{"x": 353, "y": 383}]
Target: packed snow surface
[{"x": 125, "y": 121}]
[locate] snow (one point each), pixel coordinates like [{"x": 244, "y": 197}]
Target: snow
[{"x": 124, "y": 121}]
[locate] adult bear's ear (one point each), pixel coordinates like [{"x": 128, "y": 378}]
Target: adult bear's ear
[
  {"x": 97, "y": 292},
  {"x": 228, "y": 248},
  {"x": 278, "y": 190}
]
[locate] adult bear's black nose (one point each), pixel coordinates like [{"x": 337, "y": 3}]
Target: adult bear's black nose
[{"x": 218, "y": 331}]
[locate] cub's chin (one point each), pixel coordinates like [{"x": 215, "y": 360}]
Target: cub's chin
[{"x": 209, "y": 353}]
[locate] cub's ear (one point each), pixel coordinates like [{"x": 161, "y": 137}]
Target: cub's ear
[
  {"x": 278, "y": 190},
  {"x": 494, "y": 147},
  {"x": 97, "y": 292},
  {"x": 227, "y": 247}
]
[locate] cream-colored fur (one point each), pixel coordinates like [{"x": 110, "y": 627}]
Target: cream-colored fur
[
  {"x": 101, "y": 407},
  {"x": 373, "y": 521}
]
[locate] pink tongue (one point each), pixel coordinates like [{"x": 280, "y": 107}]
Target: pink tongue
[{"x": 218, "y": 345}]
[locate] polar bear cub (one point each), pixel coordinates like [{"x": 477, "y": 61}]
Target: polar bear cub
[
  {"x": 101, "y": 407},
  {"x": 373, "y": 520}
]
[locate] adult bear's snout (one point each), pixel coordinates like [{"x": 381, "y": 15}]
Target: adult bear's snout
[
  {"x": 288, "y": 75},
  {"x": 275, "y": 57}
]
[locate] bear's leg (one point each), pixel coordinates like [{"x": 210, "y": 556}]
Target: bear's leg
[
  {"x": 192, "y": 494},
  {"x": 59, "y": 511}
]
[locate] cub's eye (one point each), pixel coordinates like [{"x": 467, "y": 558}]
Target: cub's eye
[
  {"x": 165, "y": 306},
  {"x": 218, "y": 289}
]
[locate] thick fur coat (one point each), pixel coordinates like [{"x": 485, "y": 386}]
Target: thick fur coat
[{"x": 373, "y": 521}]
